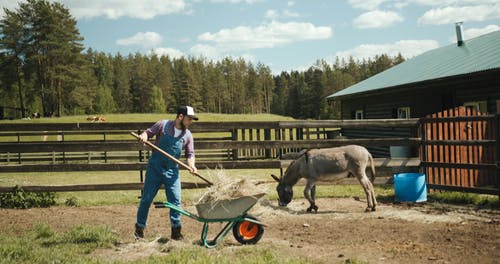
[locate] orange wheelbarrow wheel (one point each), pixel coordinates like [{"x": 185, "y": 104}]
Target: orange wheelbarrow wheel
[{"x": 247, "y": 232}]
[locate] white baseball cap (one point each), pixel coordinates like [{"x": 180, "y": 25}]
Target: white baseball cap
[{"x": 187, "y": 111}]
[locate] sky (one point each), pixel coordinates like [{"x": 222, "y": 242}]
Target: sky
[{"x": 284, "y": 35}]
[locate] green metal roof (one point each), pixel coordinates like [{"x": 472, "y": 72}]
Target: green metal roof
[{"x": 477, "y": 54}]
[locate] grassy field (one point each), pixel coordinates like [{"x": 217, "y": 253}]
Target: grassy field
[{"x": 204, "y": 117}]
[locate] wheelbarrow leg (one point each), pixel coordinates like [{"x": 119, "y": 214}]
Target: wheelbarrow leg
[{"x": 220, "y": 236}]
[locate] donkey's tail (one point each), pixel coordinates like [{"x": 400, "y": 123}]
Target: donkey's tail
[{"x": 372, "y": 167}]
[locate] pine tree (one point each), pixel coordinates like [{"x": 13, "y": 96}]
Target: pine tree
[
  {"x": 121, "y": 84},
  {"x": 49, "y": 44},
  {"x": 13, "y": 50}
]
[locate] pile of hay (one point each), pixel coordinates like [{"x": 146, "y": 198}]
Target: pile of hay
[{"x": 225, "y": 188}]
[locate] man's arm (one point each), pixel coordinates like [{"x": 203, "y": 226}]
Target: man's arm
[
  {"x": 190, "y": 154},
  {"x": 152, "y": 131}
]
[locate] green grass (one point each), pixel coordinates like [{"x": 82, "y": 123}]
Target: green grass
[
  {"x": 204, "y": 117},
  {"x": 465, "y": 198},
  {"x": 243, "y": 255},
  {"x": 43, "y": 245}
]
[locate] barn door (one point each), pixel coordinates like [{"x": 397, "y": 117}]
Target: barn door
[{"x": 459, "y": 151}]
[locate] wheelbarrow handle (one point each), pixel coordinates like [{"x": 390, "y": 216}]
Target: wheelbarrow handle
[
  {"x": 171, "y": 157},
  {"x": 159, "y": 205}
]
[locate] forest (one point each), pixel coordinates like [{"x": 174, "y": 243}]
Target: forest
[{"x": 46, "y": 69}]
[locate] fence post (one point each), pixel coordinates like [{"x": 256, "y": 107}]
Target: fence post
[
  {"x": 497, "y": 147},
  {"x": 234, "y": 137},
  {"x": 267, "y": 136},
  {"x": 105, "y": 152},
  {"x": 61, "y": 138},
  {"x": 19, "y": 153},
  {"x": 141, "y": 158}
]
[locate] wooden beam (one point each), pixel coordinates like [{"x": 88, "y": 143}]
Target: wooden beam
[
  {"x": 478, "y": 142},
  {"x": 380, "y": 162},
  {"x": 210, "y": 126},
  {"x": 478, "y": 166},
  {"x": 94, "y": 187},
  {"x": 134, "y": 166},
  {"x": 127, "y": 145},
  {"x": 365, "y": 123}
]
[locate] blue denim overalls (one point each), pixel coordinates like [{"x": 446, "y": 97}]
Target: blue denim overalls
[{"x": 162, "y": 170}]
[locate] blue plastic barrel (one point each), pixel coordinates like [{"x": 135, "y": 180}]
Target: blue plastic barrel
[{"x": 410, "y": 187}]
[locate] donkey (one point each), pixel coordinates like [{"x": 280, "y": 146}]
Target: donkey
[{"x": 335, "y": 163}]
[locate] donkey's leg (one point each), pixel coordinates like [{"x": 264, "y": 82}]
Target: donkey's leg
[
  {"x": 372, "y": 192},
  {"x": 374, "y": 198},
  {"x": 310, "y": 190},
  {"x": 313, "y": 193},
  {"x": 368, "y": 188}
]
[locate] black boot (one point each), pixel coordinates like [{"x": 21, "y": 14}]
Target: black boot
[
  {"x": 139, "y": 232},
  {"x": 176, "y": 233}
]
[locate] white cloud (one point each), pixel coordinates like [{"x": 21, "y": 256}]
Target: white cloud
[
  {"x": 290, "y": 3},
  {"x": 9, "y": 4},
  {"x": 407, "y": 48},
  {"x": 377, "y": 19},
  {"x": 268, "y": 35},
  {"x": 143, "y": 39},
  {"x": 366, "y": 4},
  {"x": 451, "y": 14},
  {"x": 274, "y": 15},
  {"x": 227, "y": 42},
  {"x": 211, "y": 52},
  {"x": 114, "y": 9},
  {"x": 207, "y": 51},
  {"x": 289, "y": 13},
  {"x": 271, "y": 14},
  {"x": 172, "y": 53},
  {"x": 476, "y": 32},
  {"x": 248, "y": 57}
]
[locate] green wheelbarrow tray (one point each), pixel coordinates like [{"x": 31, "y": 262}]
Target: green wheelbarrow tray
[{"x": 246, "y": 228}]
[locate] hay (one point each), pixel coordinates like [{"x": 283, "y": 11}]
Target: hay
[{"x": 225, "y": 188}]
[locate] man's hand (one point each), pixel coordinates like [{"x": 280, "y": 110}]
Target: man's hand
[
  {"x": 143, "y": 137},
  {"x": 192, "y": 167}
]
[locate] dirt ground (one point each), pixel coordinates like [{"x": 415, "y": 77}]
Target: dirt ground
[{"x": 341, "y": 230}]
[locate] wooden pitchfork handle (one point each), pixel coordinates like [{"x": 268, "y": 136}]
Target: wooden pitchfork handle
[{"x": 170, "y": 157}]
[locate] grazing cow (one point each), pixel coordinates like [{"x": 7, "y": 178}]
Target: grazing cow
[{"x": 329, "y": 162}]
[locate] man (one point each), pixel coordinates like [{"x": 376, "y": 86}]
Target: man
[{"x": 171, "y": 136}]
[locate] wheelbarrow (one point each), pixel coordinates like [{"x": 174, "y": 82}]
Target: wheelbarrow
[{"x": 247, "y": 229}]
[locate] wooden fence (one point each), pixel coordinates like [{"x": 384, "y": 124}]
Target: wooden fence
[
  {"x": 233, "y": 145},
  {"x": 459, "y": 151}
]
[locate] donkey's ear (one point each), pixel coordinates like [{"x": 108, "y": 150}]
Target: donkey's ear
[{"x": 275, "y": 178}]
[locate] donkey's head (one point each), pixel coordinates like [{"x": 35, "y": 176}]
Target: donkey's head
[{"x": 285, "y": 192}]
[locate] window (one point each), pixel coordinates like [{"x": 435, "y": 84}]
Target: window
[
  {"x": 480, "y": 106},
  {"x": 403, "y": 113},
  {"x": 358, "y": 114}
]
